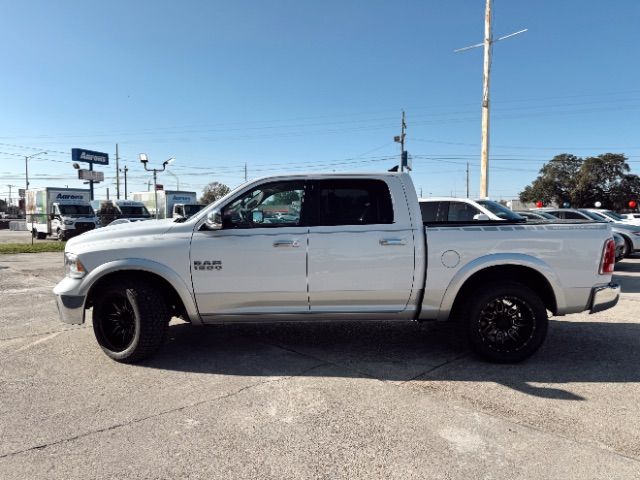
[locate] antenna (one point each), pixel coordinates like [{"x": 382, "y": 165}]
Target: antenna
[{"x": 487, "y": 44}]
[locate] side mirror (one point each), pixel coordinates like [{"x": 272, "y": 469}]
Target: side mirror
[
  {"x": 482, "y": 217},
  {"x": 214, "y": 220}
]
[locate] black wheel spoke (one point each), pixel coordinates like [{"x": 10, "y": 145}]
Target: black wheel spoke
[
  {"x": 506, "y": 324},
  {"x": 117, "y": 322}
]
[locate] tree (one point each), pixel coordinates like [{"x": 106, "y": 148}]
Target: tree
[
  {"x": 213, "y": 192},
  {"x": 583, "y": 182},
  {"x": 3, "y": 206},
  {"x": 555, "y": 182},
  {"x": 598, "y": 178}
]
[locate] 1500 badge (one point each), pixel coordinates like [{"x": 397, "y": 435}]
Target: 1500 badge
[{"x": 207, "y": 265}]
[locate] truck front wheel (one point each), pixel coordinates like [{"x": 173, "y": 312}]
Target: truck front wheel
[
  {"x": 41, "y": 235},
  {"x": 505, "y": 322},
  {"x": 130, "y": 321}
]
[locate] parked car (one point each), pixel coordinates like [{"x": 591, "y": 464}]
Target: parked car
[
  {"x": 630, "y": 233},
  {"x": 358, "y": 249},
  {"x": 453, "y": 209},
  {"x": 614, "y": 217},
  {"x": 621, "y": 247},
  {"x": 531, "y": 215}
]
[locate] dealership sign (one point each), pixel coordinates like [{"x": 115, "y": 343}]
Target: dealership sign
[
  {"x": 89, "y": 156},
  {"x": 92, "y": 175}
]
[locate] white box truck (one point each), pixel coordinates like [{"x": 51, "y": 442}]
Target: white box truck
[
  {"x": 110, "y": 210},
  {"x": 171, "y": 203},
  {"x": 63, "y": 212}
]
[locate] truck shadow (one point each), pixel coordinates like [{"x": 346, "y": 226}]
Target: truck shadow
[
  {"x": 575, "y": 351},
  {"x": 625, "y": 274}
]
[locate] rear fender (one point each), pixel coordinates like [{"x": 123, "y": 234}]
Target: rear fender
[{"x": 497, "y": 260}]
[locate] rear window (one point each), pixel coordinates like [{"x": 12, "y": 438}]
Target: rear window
[{"x": 354, "y": 202}]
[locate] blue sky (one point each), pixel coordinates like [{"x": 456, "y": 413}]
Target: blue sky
[{"x": 293, "y": 86}]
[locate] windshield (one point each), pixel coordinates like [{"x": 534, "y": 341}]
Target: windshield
[
  {"x": 500, "y": 210},
  {"x": 192, "y": 209},
  {"x": 595, "y": 216},
  {"x": 546, "y": 215},
  {"x": 134, "y": 211},
  {"x": 614, "y": 215},
  {"x": 76, "y": 210}
]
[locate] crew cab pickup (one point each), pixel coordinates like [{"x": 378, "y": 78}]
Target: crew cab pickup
[{"x": 334, "y": 247}]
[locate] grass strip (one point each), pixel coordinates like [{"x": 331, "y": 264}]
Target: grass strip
[{"x": 8, "y": 248}]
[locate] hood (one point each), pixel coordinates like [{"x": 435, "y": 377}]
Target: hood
[{"x": 123, "y": 230}]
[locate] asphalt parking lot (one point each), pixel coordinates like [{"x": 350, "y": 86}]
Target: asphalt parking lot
[{"x": 379, "y": 400}]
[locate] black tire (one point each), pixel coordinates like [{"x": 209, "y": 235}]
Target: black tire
[
  {"x": 41, "y": 235},
  {"x": 504, "y": 322},
  {"x": 130, "y": 321},
  {"x": 628, "y": 247},
  {"x": 34, "y": 234}
]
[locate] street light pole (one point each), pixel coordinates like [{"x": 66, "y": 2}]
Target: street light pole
[
  {"x": 144, "y": 159},
  {"x": 26, "y": 171}
]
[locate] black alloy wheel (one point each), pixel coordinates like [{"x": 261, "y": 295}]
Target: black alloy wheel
[
  {"x": 116, "y": 323},
  {"x": 504, "y": 322}
]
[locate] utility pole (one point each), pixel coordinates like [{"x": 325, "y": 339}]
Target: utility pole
[
  {"x": 126, "y": 169},
  {"x": 486, "y": 74},
  {"x": 245, "y": 171},
  {"x": 400, "y": 139},
  {"x": 9, "y": 204},
  {"x": 467, "y": 179},
  {"x": 486, "y": 70},
  {"x": 117, "y": 174}
]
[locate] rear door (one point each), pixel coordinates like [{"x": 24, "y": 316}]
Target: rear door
[{"x": 361, "y": 250}]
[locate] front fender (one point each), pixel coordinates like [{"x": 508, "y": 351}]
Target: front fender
[
  {"x": 140, "y": 264},
  {"x": 497, "y": 260}
]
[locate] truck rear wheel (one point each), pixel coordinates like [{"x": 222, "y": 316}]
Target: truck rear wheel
[
  {"x": 41, "y": 235},
  {"x": 130, "y": 321},
  {"x": 504, "y": 322}
]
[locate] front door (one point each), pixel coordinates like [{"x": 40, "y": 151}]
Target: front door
[{"x": 257, "y": 263}]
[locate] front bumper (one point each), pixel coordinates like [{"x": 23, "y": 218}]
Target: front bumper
[
  {"x": 70, "y": 304},
  {"x": 604, "y": 297}
]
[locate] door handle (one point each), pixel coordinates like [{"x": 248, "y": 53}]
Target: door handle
[
  {"x": 389, "y": 242},
  {"x": 286, "y": 243}
]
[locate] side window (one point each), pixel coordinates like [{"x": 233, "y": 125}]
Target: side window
[
  {"x": 429, "y": 211},
  {"x": 354, "y": 202},
  {"x": 271, "y": 205},
  {"x": 573, "y": 216},
  {"x": 461, "y": 212},
  {"x": 433, "y": 212}
]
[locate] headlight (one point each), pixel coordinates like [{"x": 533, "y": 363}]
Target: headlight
[
  {"x": 73, "y": 267},
  {"x": 68, "y": 222}
]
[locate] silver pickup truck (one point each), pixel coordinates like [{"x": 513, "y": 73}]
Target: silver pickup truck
[{"x": 334, "y": 247}]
